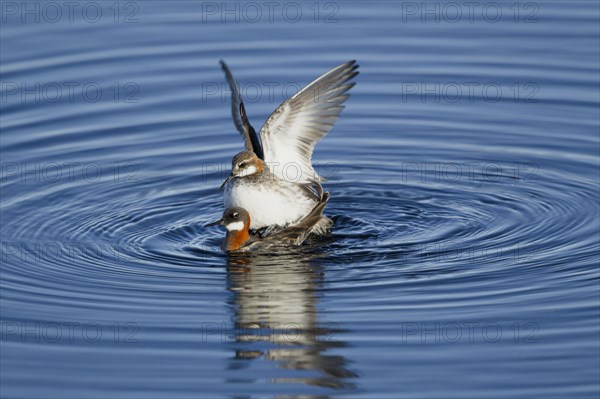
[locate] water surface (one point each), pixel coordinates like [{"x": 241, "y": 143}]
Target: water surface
[{"x": 464, "y": 189}]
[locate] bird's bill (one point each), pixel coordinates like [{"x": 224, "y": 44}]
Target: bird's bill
[
  {"x": 231, "y": 176},
  {"x": 215, "y": 223}
]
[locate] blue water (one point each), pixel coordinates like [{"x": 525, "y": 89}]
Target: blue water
[{"x": 464, "y": 187}]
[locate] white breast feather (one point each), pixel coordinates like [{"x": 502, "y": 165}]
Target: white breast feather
[{"x": 267, "y": 206}]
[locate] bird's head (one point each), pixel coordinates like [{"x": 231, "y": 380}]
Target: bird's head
[
  {"x": 237, "y": 222},
  {"x": 243, "y": 164}
]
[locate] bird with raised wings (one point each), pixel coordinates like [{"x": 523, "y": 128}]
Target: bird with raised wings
[{"x": 273, "y": 179}]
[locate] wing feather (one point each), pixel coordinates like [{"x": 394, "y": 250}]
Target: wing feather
[
  {"x": 238, "y": 113},
  {"x": 289, "y": 135}
]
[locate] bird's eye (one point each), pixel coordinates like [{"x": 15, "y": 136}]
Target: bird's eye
[
  {"x": 241, "y": 164},
  {"x": 235, "y": 215}
]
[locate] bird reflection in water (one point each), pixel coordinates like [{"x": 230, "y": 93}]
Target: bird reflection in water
[{"x": 276, "y": 319}]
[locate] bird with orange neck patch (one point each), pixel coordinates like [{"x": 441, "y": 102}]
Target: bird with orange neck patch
[
  {"x": 237, "y": 221},
  {"x": 273, "y": 179}
]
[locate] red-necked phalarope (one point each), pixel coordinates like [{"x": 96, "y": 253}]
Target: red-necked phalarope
[
  {"x": 237, "y": 221},
  {"x": 259, "y": 181}
]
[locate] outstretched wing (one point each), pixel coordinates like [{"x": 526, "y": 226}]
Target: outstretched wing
[
  {"x": 291, "y": 132},
  {"x": 238, "y": 113}
]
